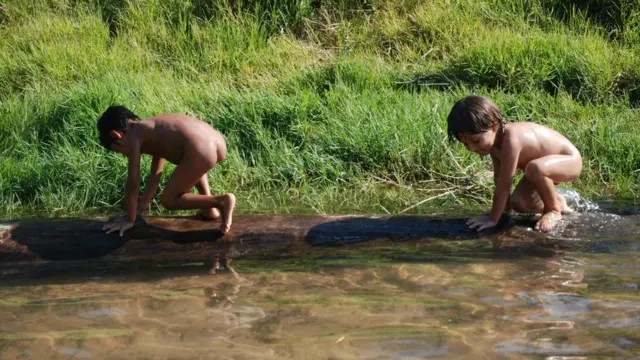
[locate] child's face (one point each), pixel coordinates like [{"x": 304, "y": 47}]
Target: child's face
[{"x": 481, "y": 143}]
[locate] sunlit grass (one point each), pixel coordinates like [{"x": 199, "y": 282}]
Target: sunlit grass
[{"x": 327, "y": 106}]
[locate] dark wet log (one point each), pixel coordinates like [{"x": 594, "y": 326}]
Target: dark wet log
[
  {"x": 154, "y": 239},
  {"x": 182, "y": 239},
  {"x": 185, "y": 238}
]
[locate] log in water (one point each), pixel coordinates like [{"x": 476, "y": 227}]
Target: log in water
[
  {"x": 181, "y": 238},
  {"x": 81, "y": 242}
]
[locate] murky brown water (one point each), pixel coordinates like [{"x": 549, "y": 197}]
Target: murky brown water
[{"x": 383, "y": 301}]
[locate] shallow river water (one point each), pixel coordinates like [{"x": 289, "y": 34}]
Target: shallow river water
[{"x": 423, "y": 299}]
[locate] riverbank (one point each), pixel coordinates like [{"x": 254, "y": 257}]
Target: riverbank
[{"x": 326, "y": 107}]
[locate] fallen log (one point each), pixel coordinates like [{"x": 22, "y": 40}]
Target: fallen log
[{"x": 180, "y": 239}]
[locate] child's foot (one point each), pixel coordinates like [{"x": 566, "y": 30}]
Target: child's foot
[
  {"x": 548, "y": 221},
  {"x": 209, "y": 214},
  {"x": 227, "y": 212},
  {"x": 563, "y": 205}
]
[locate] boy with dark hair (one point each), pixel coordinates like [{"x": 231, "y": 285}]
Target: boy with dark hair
[{"x": 191, "y": 144}]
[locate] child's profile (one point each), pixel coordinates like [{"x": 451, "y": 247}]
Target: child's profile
[{"x": 545, "y": 156}]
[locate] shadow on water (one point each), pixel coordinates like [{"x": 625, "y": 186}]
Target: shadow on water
[
  {"x": 68, "y": 247},
  {"x": 61, "y": 240},
  {"x": 399, "y": 228},
  {"x": 85, "y": 239},
  {"x": 181, "y": 245},
  {"x": 590, "y": 220},
  {"x": 167, "y": 246},
  {"x": 63, "y": 245}
]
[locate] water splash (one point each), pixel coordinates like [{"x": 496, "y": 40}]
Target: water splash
[{"x": 576, "y": 202}]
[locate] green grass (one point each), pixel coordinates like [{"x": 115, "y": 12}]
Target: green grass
[{"x": 328, "y": 106}]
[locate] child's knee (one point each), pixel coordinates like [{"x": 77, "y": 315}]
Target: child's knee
[
  {"x": 533, "y": 171},
  {"x": 526, "y": 203},
  {"x": 168, "y": 201}
]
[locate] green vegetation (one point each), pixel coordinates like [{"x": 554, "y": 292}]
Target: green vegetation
[{"x": 327, "y": 105}]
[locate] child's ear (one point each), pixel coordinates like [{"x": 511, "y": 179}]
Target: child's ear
[{"x": 116, "y": 134}]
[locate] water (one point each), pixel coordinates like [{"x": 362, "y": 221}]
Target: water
[
  {"x": 578, "y": 203},
  {"x": 423, "y": 299}
]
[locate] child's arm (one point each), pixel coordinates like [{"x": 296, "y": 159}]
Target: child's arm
[
  {"x": 131, "y": 190},
  {"x": 503, "y": 171},
  {"x": 132, "y": 187},
  {"x": 157, "y": 165},
  {"x": 507, "y": 170},
  {"x": 496, "y": 173},
  {"x": 496, "y": 169}
]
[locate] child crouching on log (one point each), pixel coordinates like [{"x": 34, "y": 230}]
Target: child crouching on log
[
  {"x": 191, "y": 144},
  {"x": 546, "y": 157}
]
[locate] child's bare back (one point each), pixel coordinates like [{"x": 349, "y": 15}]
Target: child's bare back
[
  {"x": 191, "y": 144},
  {"x": 174, "y": 136},
  {"x": 546, "y": 157},
  {"x": 533, "y": 141}
]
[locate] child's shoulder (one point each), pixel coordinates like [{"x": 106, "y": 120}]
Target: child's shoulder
[
  {"x": 523, "y": 126},
  {"x": 170, "y": 117},
  {"x": 516, "y": 132},
  {"x": 524, "y": 133}
]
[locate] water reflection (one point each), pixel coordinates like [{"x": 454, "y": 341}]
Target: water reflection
[
  {"x": 406, "y": 349},
  {"x": 459, "y": 301},
  {"x": 221, "y": 259},
  {"x": 74, "y": 353},
  {"x": 540, "y": 346},
  {"x": 108, "y": 312},
  {"x": 632, "y": 322},
  {"x": 561, "y": 307}
]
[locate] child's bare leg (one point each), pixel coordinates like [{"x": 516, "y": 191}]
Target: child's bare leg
[
  {"x": 186, "y": 175},
  {"x": 543, "y": 173},
  {"x": 203, "y": 189},
  {"x": 525, "y": 199},
  {"x": 563, "y": 204}
]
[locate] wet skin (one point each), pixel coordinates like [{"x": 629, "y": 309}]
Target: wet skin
[
  {"x": 191, "y": 144},
  {"x": 545, "y": 156}
]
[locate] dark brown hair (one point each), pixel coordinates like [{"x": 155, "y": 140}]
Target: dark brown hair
[
  {"x": 473, "y": 115},
  {"x": 114, "y": 118}
]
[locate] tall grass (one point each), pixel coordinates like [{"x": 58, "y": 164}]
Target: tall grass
[{"x": 327, "y": 105}]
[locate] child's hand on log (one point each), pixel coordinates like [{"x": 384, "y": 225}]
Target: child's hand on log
[
  {"x": 480, "y": 223},
  {"x": 120, "y": 225}
]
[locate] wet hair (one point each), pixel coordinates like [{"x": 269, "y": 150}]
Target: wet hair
[
  {"x": 473, "y": 115},
  {"x": 114, "y": 118}
]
